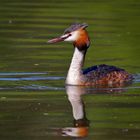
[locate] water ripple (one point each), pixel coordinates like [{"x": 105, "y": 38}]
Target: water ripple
[
  {"x": 136, "y": 78},
  {"x": 21, "y": 73},
  {"x": 34, "y": 78},
  {"x": 39, "y": 87},
  {"x": 27, "y": 76}
]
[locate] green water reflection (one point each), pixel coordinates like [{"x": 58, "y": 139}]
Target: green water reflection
[
  {"x": 36, "y": 106},
  {"x": 43, "y": 115}
]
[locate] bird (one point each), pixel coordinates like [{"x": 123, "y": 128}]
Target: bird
[{"x": 98, "y": 75}]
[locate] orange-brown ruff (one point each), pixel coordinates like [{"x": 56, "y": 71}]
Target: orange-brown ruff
[
  {"x": 101, "y": 75},
  {"x": 82, "y": 40}
]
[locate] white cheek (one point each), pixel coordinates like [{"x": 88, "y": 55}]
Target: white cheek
[{"x": 73, "y": 37}]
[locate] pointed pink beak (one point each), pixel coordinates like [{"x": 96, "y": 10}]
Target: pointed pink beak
[
  {"x": 55, "y": 40},
  {"x": 59, "y": 39}
]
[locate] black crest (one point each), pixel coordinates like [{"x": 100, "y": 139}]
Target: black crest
[{"x": 75, "y": 27}]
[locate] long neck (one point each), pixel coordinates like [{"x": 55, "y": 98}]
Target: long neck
[{"x": 75, "y": 71}]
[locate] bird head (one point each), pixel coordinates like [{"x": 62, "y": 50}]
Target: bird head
[{"x": 76, "y": 34}]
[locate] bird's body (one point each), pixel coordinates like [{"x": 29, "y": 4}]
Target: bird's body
[
  {"x": 92, "y": 76},
  {"x": 106, "y": 75}
]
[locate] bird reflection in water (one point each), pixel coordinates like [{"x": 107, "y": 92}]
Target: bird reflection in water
[{"x": 80, "y": 123}]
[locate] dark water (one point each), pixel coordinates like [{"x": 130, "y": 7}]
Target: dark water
[{"x": 34, "y": 102}]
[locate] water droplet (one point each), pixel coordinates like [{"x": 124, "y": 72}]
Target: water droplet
[
  {"x": 3, "y": 98},
  {"x": 10, "y": 21},
  {"x": 36, "y": 64},
  {"x": 45, "y": 114}
]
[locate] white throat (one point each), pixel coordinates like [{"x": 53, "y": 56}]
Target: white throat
[{"x": 75, "y": 75}]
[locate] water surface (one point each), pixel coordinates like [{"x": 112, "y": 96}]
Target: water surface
[{"x": 34, "y": 102}]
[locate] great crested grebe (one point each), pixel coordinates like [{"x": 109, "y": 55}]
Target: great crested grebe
[{"x": 92, "y": 76}]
